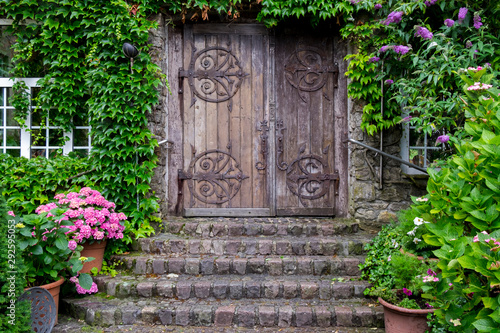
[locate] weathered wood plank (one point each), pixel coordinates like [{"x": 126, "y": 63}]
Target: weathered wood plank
[
  {"x": 175, "y": 123},
  {"x": 226, "y": 212},
  {"x": 301, "y": 211},
  {"x": 237, "y": 29}
]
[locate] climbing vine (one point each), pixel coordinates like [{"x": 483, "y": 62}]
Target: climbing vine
[{"x": 85, "y": 74}]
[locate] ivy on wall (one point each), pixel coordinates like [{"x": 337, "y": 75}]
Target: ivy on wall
[{"x": 86, "y": 74}]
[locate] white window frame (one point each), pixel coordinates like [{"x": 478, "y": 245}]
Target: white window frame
[
  {"x": 405, "y": 150},
  {"x": 25, "y": 136}
]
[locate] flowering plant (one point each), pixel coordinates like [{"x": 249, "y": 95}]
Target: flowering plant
[
  {"x": 463, "y": 209},
  {"x": 47, "y": 252},
  {"x": 92, "y": 217}
]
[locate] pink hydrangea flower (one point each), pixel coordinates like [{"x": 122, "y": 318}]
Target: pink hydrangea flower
[{"x": 72, "y": 245}]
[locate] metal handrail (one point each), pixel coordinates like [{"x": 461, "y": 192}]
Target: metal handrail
[{"x": 388, "y": 155}]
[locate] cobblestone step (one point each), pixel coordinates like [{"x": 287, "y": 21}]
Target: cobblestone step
[
  {"x": 265, "y": 245},
  {"x": 98, "y": 311},
  {"x": 220, "y": 227},
  {"x": 138, "y": 263},
  {"x": 232, "y": 287}
]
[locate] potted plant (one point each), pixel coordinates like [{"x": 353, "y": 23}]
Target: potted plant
[
  {"x": 93, "y": 221},
  {"x": 401, "y": 282},
  {"x": 48, "y": 253}
]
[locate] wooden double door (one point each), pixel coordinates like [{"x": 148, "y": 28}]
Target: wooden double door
[{"x": 263, "y": 117}]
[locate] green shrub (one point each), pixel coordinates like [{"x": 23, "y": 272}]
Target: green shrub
[
  {"x": 30, "y": 183},
  {"x": 15, "y": 316},
  {"x": 463, "y": 209}
]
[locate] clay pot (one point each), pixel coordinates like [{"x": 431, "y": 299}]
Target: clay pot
[
  {"x": 402, "y": 320},
  {"x": 95, "y": 250}
]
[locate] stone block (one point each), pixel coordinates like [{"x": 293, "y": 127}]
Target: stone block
[
  {"x": 323, "y": 316},
  {"x": 239, "y": 266},
  {"x": 207, "y": 266},
  {"x": 194, "y": 247},
  {"x": 220, "y": 289},
  {"x": 351, "y": 266},
  {"x": 235, "y": 229},
  {"x": 224, "y": 316},
  {"x": 192, "y": 266},
  {"x": 177, "y": 246},
  {"x": 218, "y": 246},
  {"x": 250, "y": 246},
  {"x": 129, "y": 315},
  {"x": 183, "y": 289},
  {"x": 269, "y": 229},
  {"x": 341, "y": 291},
  {"x": 325, "y": 290},
  {"x": 165, "y": 289},
  {"x": 274, "y": 266},
  {"x": 283, "y": 247},
  {"x": 290, "y": 289},
  {"x": 252, "y": 289},
  {"x": 149, "y": 315},
  {"x": 271, "y": 289},
  {"x": 265, "y": 246},
  {"x": 165, "y": 316},
  {"x": 222, "y": 265},
  {"x": 145, "y": 289},
  {"x": 364, "y": 316},
  {"x": 321, "y": 267},
  {"x": 202, "y": 316},
  {"x": 176, "y": 265},
  {"x": 304, "y": 266},
  {"x": 308, "y": 290},
  {"x": 232, "y": 247},
  {"x": 246, "y": 316},
  {"x": 299, "y": 247},
  {"x": 159, "y": 266},
  {"x": 289, "y": 266},
  {"x": 256, "y": 266},
  {"x": 218, "y": 230},
  {"x": 182, "y": 316},
  {"x": 330, "y": 247},
  {"x": 344, "y": 316},
  {"x": 267, "y": 316},
  {"x": 252, "y": 229},
  {"x": 235, "y": 290},
  {"x": 304, "y": 316},
  {"x": 140, "y": 266},
  {"x": 285, "y": 314},
  {"x": 202, "y": 289}
]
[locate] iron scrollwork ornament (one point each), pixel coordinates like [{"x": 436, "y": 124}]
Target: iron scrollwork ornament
[
  {"x": 308, "y": 176},
  {"x": 264, "y": 147},
  {"x": 307, "y": 70},
  {"x": 214, "y": 75},
  {"x": 213, "y": 177}
]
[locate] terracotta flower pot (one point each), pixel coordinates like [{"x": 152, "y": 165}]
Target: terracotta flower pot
[
  {"x": 402, "y": 320},
  {"x": 95, "y": 250},
  {"x": 54, "y": 289}
]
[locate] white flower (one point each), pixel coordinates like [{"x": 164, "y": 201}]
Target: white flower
[
  {"x": 412, "y": 232},
  {"x": 422, "y": 199},
  {"x": 389, "y": 258},
  {"x": 416, "y": 240},
  {"x": 172, "y": 275},
  {"x": 418, "y": 221}
]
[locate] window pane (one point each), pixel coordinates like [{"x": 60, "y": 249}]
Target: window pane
[
  {"x": 80, "y": 120},
  {"x": 55, "y": 137},
  {"x": 14, "y": 137},
  {"x": 34, "y": 95},
  {"x": 36, "y": 118},
  {"x": 81, "y": 152},
  {"x": 6, "y": 52},
  {"x": 38, "y": 137},
  {"x": 9, "y": 95},
  {"x": 417, "y": 139},
  {"x": 434, "y": 154},
  {"x": 1, "y": 138},
  {"x": 54, "y": 152},
  {"x": 14, "y": 152},
  {"x": 37, "y": 152},
  {"x": 81, "y": 138},
  {"x": 417, "y": 157},
  {"x": 10, "y": 118},
  {"x": 2, "y": 89},
  {"x": 1, "y": 116}
]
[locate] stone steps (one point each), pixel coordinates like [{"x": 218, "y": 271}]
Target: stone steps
[
  {"x": 232, "y": 287},
  {"x": 96, "y": 310},
  {"x": 138, "y": 263},
  {"x": 220, "y": 227},
  {"x": 346, "y": 245}
]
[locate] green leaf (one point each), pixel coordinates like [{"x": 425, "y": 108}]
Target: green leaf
[
  {"x": 485, "y": 325},
  {"x": 37, "y": 250},
  {"x": 62, "y": 243},
  {"x": 85, "y": 281}
]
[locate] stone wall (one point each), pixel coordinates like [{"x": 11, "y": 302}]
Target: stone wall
[
  {"x": 370, "y": 200},
  {"x": 157, "y": 119}
]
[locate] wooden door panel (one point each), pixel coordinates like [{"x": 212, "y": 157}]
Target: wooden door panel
[
  {"x": 305, "y": 74},
  {"x": 224, "y": 80}
]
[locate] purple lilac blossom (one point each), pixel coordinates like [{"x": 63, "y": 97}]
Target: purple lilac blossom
[
  {"x": 449, "y": 22},
  {"x": 442, "y": 139},
  {"x": 401, "y": 49},
  {"x": 468, "y": 44},
  {"x": 424, "y": 33},
  {"x": 374, "y": 59},
  {"x": 393, "y": 17},
  {"x": 461, "y": 14},
  {"x": 383, "y": 49},
  {"x": 405, "y": 119},
  {"x": 477, "y": 21},
  {"x": 430, "y": 3},
  {"x": 378, "y": 6},
  {"x": 389, "y": 81}
]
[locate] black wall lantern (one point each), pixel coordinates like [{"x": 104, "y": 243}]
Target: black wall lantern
[{"x": 130, "y": 50}]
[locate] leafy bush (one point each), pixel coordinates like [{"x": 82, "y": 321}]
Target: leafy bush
[
  {"x": 463, "y": 209},
  {"x": 30, "y": 183},
  {"x": 15, "y": 318}
]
